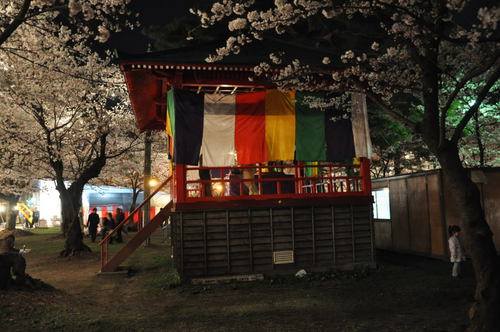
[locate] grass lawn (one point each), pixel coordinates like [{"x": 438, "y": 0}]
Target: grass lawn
[{"x": 404, "y": 294}]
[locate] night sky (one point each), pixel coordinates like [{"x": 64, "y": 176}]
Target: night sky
[{"x": 152, "y": 12}]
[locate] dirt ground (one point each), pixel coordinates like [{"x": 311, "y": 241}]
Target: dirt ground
[{"x": 404, "y": 293}]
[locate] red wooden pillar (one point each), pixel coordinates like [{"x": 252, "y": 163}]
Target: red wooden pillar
[
  {"x": 365, "y": 176},
  {"x": 180, "y": 183}
]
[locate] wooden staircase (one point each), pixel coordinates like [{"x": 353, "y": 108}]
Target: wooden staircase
[
  {"x": 111, "y": 265},
  {"x": 137, "y": 240}
]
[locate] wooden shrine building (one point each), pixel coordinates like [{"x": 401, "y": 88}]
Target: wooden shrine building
[{"x": 279, "y": 186}]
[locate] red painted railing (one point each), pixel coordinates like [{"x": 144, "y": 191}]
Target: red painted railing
[
  {"x": 104, "y": 243},
  {"x": 266, "y": 182}
]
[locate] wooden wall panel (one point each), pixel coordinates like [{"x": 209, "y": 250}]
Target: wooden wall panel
[
  {"x": 399, "y": 215},
  {"x": 383, "y": 234},
  {"x": 436, "y": 218},
  {"x": 362, "y": 234},
  {"x": 220, "y": 242},
  {"x": 418, "y": 215},
  {"x": 380, "y": 183}
]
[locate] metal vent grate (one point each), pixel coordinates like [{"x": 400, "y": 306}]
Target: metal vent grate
[{"x": 283, "y": 257}]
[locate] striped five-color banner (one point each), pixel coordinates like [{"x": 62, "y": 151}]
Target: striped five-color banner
[{"x": 263, "y": 126}]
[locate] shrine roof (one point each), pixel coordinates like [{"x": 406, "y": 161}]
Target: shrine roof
[{"x": 250, "y": 54}]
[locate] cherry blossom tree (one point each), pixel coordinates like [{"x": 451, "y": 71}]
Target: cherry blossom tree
[
  {"x": 125, "y": 171},
  {"x": 128, "y": 169},
  {"x": 69, "y": 113},
  {"x": 418, "y": 55},
  {"x": 15, "y": 178},
  {"x": 94, "y": 19}
]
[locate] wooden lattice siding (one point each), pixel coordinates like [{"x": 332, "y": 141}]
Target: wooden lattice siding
[{"x": 221, "y": 242}]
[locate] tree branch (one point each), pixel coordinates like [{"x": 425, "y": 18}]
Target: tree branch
[
  {"x": 18, "y": 20},
  {"x": 467, "y": 77},
  {"x": 127, "y": 149},
  {"x": 95, "y": 167},
  {"x": 58, "y": 70},
  {"x": 492, "y": 79},
  {"x": 390, "y": 112}
]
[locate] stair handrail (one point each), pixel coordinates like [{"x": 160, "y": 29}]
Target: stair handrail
[{"x": 105, "y": 240}]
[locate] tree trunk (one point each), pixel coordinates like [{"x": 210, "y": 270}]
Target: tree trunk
[
  {"x": 135, "y": 195},
  {"x": 484, "y": 314},
  {"x": 12, "y": 213},
  {"x": 477, "y": 132},
  {"x": 397, "y": 162},
  {"x": 70, "y": 208}
]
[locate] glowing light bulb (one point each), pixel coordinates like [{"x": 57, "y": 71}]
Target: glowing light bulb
[
  {"x": 218, "y": 187},
  {"x": 152, "y": 182}
]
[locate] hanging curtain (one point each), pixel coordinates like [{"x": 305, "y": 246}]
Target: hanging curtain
[
  {"x": 188, "y": 133},
  {"x": 339, "y": 137},
  {"x": 280, "y": 125},
  {"x": 250, "y": 126},
  {"x": 310, "y": 139},
  {"x": 218, "y": 130},
  {"x": 263, "y": 126}
]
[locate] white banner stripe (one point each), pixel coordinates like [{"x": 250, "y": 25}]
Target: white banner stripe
[{"x": 218, "y": 130}]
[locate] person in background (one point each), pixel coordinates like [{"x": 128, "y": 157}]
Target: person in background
[
  {"x": 92, "y": 224},
  {"x": 27, "y": 223},
  {"x": 249, "y": 174},
  {"x": 456, "y": 250},
  {"x": 12, "y": 263},
  {"x": 120, "y": 216},
  {"x": 7, "y": 245},
  {"x": 107, "y": 226},
  {"x": 112, "y": 223},
  {"x": 36, "y": 217}
]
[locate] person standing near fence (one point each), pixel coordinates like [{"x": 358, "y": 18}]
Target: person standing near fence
[{"x": 456, "y": 250}]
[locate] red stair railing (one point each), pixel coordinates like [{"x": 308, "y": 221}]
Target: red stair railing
[{"x": 104, "y": 242}]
